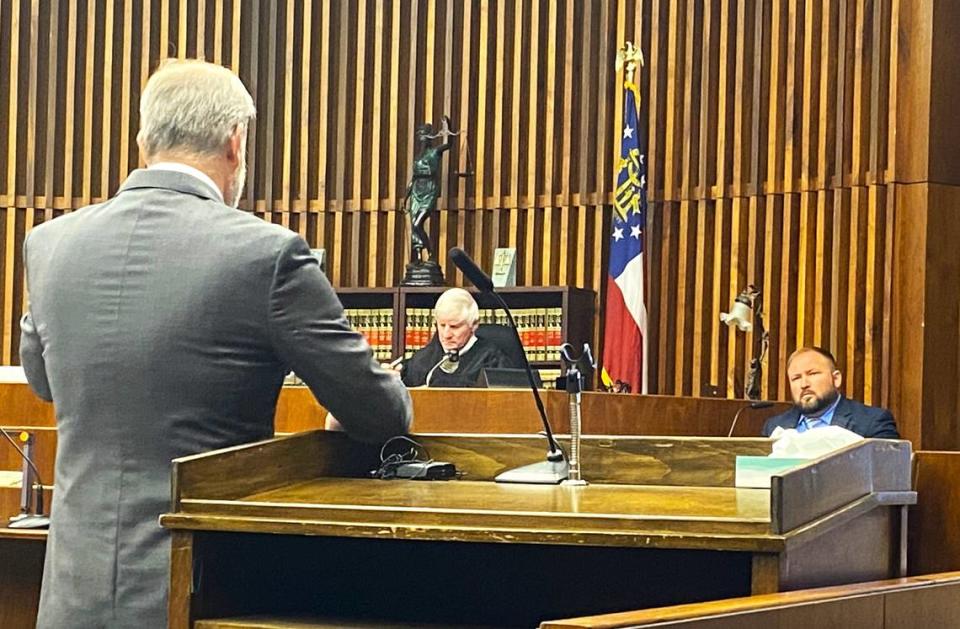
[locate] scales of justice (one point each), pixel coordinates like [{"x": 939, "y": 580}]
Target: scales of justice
[{"x": 420, "y": 201}]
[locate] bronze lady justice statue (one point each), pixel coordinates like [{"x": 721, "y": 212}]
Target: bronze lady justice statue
[{"x": 421, "y": 201}]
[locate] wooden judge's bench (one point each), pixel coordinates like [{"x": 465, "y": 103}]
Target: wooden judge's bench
[{"x": 294, "y": 529}]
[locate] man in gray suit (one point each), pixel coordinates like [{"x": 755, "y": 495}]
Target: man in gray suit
[{"x": 161, "y": 324}]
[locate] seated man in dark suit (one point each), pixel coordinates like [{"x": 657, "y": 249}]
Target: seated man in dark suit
[
  {"x": 455, "y": 356},
  {"x": 814, "y": 384}
]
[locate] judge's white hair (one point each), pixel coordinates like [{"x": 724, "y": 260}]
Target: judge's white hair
[
  {"x": 458, "y": 301},
  {"x": 193, "y": 107}
]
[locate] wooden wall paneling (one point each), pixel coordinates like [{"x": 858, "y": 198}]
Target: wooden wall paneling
[
  {"x": 737, "y": 279},
  {"x": 707, "y": 122},
  {"x": 13, "y": 104},
  {"x": 777, "y": 100},
  {"x": 655, "y": 98},
  {"x": 325, "y": 37},
  {"x": 447, "y": 220},
  {"x": 90, "y": 47},
  {"x": 939, "y": 307},
  {"x": 480, "y": 120},
  {"x": 106, "y": 164},
  {"x": 308, "y": 149},
  {"x": 806, "y": 279},
  {"x": 865, "y": 93},
  {"x": 249, "y": 64},
  {"x": 744, "y": 104},
  {"x": 812, "y": 91},
  {"x": 394, "y": 256},
  {"x": 12, "y": 160},
  {"x": 885, "y": 362},
  {"x": 759, "y": 131},
  {"x": 775, "y": 284},
  {"x": 550, "y": 102},
  {"x": 606, "y": 87},
  {"x": 497, "y": 96},
  {"x": 674, "y": 103},
  {"x": 268, "y": 141},
  {"x": 824, "y": 257},
  {"x": 717, "y": 331},
  {"x": 182, "y": 51},
  {"x": 756, "y": 226},
  {"x": 124, "y": 132},
  {"x": 873, "y": 291},
  {"x": 724, "y": 104},
  {"x": 794, "y": 86},
  {"x": 879, "y": 104},
  {"x": 684, "y": 294},
  {"x": 693, "y": 73},
  {"x": 289, "y": 101},
  {"x": 668, "y": 296},
  {"x": 840, "y": 256},
  {"x": 853, "y": 374},
  {"x": 701, "y": 312},
  {"x": 52, "y": 103},
  {"x": 376, "y": 262},
  {"x": 164, "y": 19},
  {"x": 30, "y": 155}
]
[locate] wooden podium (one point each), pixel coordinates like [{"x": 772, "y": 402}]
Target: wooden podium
[{"x": 294, "y": 530}]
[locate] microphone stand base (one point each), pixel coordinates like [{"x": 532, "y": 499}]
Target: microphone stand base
[
  {"x": 574, "y": 482},
  {"x": 29, "y": 521},
  {"x": 542, "y": 473}
]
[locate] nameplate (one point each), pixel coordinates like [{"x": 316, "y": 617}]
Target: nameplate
[{"x": 504, "y": 267}]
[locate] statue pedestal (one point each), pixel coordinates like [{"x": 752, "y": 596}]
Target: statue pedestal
[{"x": 426, "y": 273}]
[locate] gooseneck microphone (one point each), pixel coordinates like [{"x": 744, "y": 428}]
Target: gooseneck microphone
[
  {"x": 448, "y": 363},
  {"x": 751, "y": 406},
  {"x": 27, "y": 519},
  {"x": 555, "y": 469}
]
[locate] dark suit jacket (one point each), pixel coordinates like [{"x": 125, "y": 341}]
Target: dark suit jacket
[
  {"x": 161, "y": 324},
  {"x": 864, "y": 420}
]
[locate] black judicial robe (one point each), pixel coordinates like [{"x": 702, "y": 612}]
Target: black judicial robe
[{"x": 472, "y": 362}]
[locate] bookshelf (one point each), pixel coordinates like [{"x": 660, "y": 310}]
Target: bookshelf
[
  {"x": 399, "y": 320},
  {"x": 373, "y": 313}
]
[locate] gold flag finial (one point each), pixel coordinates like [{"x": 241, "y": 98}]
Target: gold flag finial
[{"x": 629, "y": 56}]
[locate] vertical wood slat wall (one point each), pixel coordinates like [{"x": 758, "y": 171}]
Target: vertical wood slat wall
[{"x": 770, "y": 155}]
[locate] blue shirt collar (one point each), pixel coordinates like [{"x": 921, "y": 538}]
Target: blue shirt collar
[{"x": 825, "y": 419}]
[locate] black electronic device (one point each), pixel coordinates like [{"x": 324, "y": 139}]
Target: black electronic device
[
  {"x": 555, "y": 469},
  {"x": 427, "y": 470}
]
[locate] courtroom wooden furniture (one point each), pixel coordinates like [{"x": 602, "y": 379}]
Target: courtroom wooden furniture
[
  {"x": 488, "y": 411},
  {"x": 292, "y": 525},
  {"x": 934, "y": 521},
  {"x": 21, "y": 570},
  {"x": 514, "y": 411},
  {"x": 921, "y": 602}
]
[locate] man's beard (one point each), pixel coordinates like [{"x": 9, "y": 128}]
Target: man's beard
[
  {"x": 817, "y": 405},
  {"x": 236, "y": 189}
]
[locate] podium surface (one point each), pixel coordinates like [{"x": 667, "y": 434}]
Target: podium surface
[{"x": 294, "y": 528}]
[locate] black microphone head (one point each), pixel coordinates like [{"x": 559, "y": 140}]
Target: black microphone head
[
  {"x": 476, "y": 276},
  {"x": 761, "y": 404}
]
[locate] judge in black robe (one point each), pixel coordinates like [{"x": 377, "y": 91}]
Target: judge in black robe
[
  {"x": 455, "y": 357},
  {"x": 433, "y": 363}
]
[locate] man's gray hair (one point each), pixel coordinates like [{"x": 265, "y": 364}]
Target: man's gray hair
[
  {"x": 458, "y": 301},
  {"x": 192, "y": 106}
]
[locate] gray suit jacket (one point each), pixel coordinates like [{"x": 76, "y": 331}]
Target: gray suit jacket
[{"x": 161, "y": 324}]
